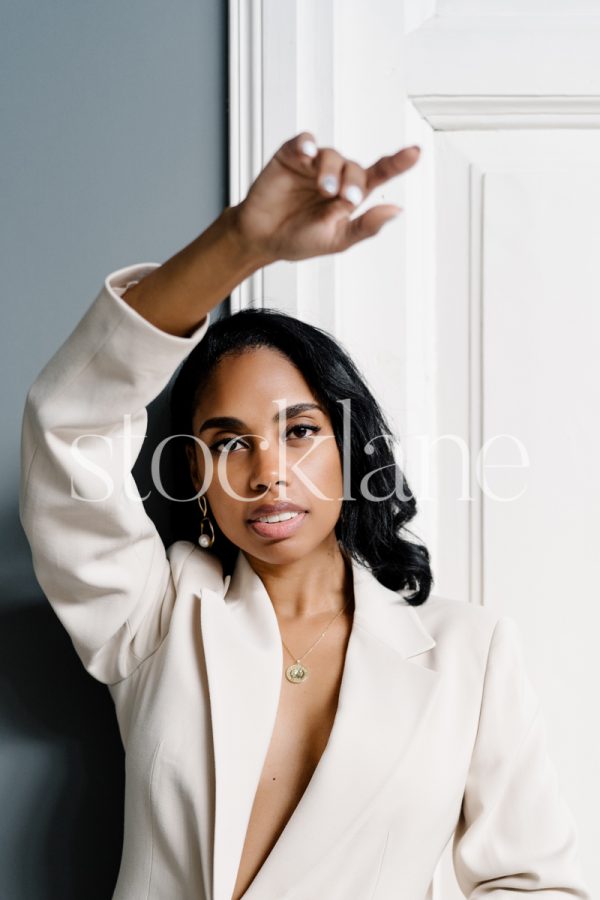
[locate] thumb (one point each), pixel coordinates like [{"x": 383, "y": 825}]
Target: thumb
[{"x": 370, "y": 222}]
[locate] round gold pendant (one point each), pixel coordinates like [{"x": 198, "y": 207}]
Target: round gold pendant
[{"x": 296, "y": 673}]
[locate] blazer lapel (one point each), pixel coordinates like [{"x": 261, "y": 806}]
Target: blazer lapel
[{"x": 367, "y": 743}]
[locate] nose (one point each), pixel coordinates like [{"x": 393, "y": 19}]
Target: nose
[{"x": 269, "y": 465}]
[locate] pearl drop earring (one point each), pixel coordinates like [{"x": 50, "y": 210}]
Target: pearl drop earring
[{"x": 205, "y": 540}]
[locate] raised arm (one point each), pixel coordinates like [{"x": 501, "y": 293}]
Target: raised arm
[{"x": 96, "y": 554}]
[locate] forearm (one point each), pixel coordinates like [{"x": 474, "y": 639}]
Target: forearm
[{"x": 177, "y": 296}]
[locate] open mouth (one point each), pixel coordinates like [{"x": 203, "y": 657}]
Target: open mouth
[{"x": 279, "y": 526}]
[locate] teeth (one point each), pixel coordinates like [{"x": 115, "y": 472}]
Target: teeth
[{"x": 282, "y": 517}]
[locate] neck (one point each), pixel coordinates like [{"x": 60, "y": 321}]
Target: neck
[{"x": 316, "y": 585}]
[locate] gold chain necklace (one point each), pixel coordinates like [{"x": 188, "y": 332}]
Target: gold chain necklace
[{"x": 297, "y": 673}]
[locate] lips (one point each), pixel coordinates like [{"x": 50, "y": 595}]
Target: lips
[
  {"x": 274, "y": 509},
  {"x": 278, "y": 530}
]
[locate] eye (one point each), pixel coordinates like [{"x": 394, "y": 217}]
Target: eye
[
  {"x": 312, "y": 428},
  {"x": 216, "y": 447},
  {"x": 232, "y": 441}
]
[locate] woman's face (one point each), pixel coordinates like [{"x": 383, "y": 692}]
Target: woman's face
[{"x": 294, "y": 452}]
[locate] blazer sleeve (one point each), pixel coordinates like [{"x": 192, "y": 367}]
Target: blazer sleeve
[
  {"x": 96, "y": 553},
  {"x": 515, "y": 832}
]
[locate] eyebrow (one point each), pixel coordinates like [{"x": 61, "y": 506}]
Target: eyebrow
[{"x": 228, "y": 423}]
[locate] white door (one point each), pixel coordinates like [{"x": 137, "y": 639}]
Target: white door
[{"x": 482, "y": 300}]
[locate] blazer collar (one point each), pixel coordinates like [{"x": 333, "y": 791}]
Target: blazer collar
[{"x": 244, "y": 661}]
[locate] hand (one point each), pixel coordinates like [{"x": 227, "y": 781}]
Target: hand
[{"x": 288, "y": 212}]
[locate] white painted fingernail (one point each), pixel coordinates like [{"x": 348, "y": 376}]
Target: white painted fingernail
[
  {"x": 330, "y": 184},
  {"x": 309, "y": 148},
  {"x": 353, "y": 193}
]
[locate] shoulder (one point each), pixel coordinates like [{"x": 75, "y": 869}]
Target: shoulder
[
  {"x": 205, "y": 568},
  {"x": 475, "y": 645},
  {"x": 459, "y": 626},
  {"x": 447, "y": 614}
]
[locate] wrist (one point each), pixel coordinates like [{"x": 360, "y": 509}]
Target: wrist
[{"x": 250, "y": 254}]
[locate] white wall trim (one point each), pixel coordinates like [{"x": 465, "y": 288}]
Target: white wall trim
[
  {"x": 281, "y": 58},
  {"x": 476, "y": 362},
  {"x": 482, "y": 112},
  {"x": 245, "y": 119}
]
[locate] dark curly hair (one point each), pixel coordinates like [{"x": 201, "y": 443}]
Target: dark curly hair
[{"x": 372, "y": 532}]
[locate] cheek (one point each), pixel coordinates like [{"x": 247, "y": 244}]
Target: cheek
[
  {"x": 229, "y": 479},
  {"x": 324, "y": 469},
  {"x": 228, "y": 494}
]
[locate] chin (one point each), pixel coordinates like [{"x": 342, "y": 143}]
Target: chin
[{"x": 286, "y": 550}]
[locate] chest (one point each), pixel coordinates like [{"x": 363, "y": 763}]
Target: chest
[
  {"x": 303, "y": 725},
  {"x": 221, "y": 749}
]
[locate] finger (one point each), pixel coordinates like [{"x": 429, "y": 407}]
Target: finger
[
  {"x": 329, "y": 164},
  {"x": 370, "y": 223},
  {"x": 299, "y": 152},
  {"x": 389, "y": 166},
  {"x": 353, "y": 185}
]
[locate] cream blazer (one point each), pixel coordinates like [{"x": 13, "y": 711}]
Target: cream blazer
[{"x": 438, "y": 734}]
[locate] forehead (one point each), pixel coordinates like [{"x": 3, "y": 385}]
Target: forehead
[{"x": 252, "y": 380}]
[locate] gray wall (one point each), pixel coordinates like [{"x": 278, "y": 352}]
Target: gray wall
[{"x": 114, "y": 151}]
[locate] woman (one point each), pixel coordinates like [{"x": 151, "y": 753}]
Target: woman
[{"x": 302, "y": 719}]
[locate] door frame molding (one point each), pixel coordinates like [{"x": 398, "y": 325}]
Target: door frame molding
[{"x": 293, "y": 67}]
